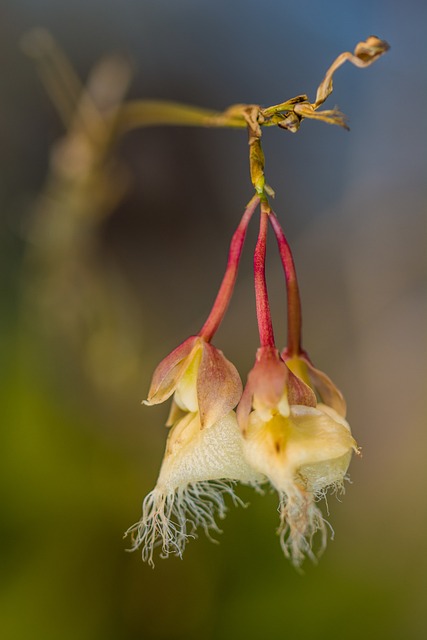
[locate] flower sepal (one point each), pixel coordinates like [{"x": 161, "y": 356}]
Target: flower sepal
[
  {"x": 201, "y": 379},
  {"x": 271, "y": 388},
  {"x": 327, "y": 391},
  {"x": 169, "y": 372}
]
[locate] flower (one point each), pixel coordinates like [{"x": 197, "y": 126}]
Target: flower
[
  {"x": 203, "y": 457},
  {"x": 301, "y": 447}
]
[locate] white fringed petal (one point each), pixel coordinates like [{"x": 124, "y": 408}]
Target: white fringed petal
[{"x": 198, "y": 469}]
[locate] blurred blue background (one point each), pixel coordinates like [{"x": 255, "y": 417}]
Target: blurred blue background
[{"x": 102, "y": 274}]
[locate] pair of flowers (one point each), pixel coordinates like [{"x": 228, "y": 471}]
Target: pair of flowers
[{"x": 288, "y": 429}]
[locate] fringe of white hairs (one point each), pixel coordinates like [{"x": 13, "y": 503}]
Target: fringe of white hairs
[
  {"x": 171, "y": 517},
  {"x": 300, "y": 520}
]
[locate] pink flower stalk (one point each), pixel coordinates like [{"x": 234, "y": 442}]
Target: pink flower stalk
[
  {"x": 227, "y": 285},
  {"x": 271, "y": 386},
  {"x": 265, "y": 325},
  {"x": 294, "y": 301}
]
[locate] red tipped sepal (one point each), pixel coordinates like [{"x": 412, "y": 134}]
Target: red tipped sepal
[
  {"x": 321, "y": 383},
  {"x": 271, "y": 388},
  {"x": 201, "y": 379}
]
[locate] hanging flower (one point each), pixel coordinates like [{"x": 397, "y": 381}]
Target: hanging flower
[
  {"x": 301, "y": 447},
  {"x": 304, "y": 455},
  {"x": 289, "y": 428},
  {"x": 203, "y": 456}
]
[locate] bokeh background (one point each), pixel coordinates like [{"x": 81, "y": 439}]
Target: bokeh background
[{"x": 109, "y": 262}]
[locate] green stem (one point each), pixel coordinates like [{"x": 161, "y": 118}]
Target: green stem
[{"x": 148, "y": 113}]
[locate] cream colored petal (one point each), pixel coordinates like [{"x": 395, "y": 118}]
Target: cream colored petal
[
  {"x": 197, "y": 473},
  {"x": 214, "y": 453},
  {"x": 315, "y": 437},
  {"x": 323, "y": 475},
  {"x": 186, "y": 389},
  {"x": 282, "y": 446},
  {"x": 333, "y": 414}
]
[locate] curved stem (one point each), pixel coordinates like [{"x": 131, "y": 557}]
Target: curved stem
[
  {"x": 149, "y": 113},
  {"x": 294, "y": 301},
  {"x": 227, "y": 285},
  {"x": 265, "y": 326}
]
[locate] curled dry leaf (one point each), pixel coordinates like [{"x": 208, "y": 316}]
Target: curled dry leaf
[{"x": 365, "y": 53}]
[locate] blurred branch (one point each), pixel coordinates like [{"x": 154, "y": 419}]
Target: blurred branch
[{"x": 60, "y": 80}]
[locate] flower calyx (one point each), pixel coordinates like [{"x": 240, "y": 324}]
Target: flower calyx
[
  {"x": 326, "y": 390},
  {"x": 202, "y": 380},
  {"x": 271, "y": 388}
]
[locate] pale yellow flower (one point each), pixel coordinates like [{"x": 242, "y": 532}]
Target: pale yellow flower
[
  {"x": 304, "y": 450},
  {"x": 303, "y": 455},
  {"x": 203, "y": 457}
]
